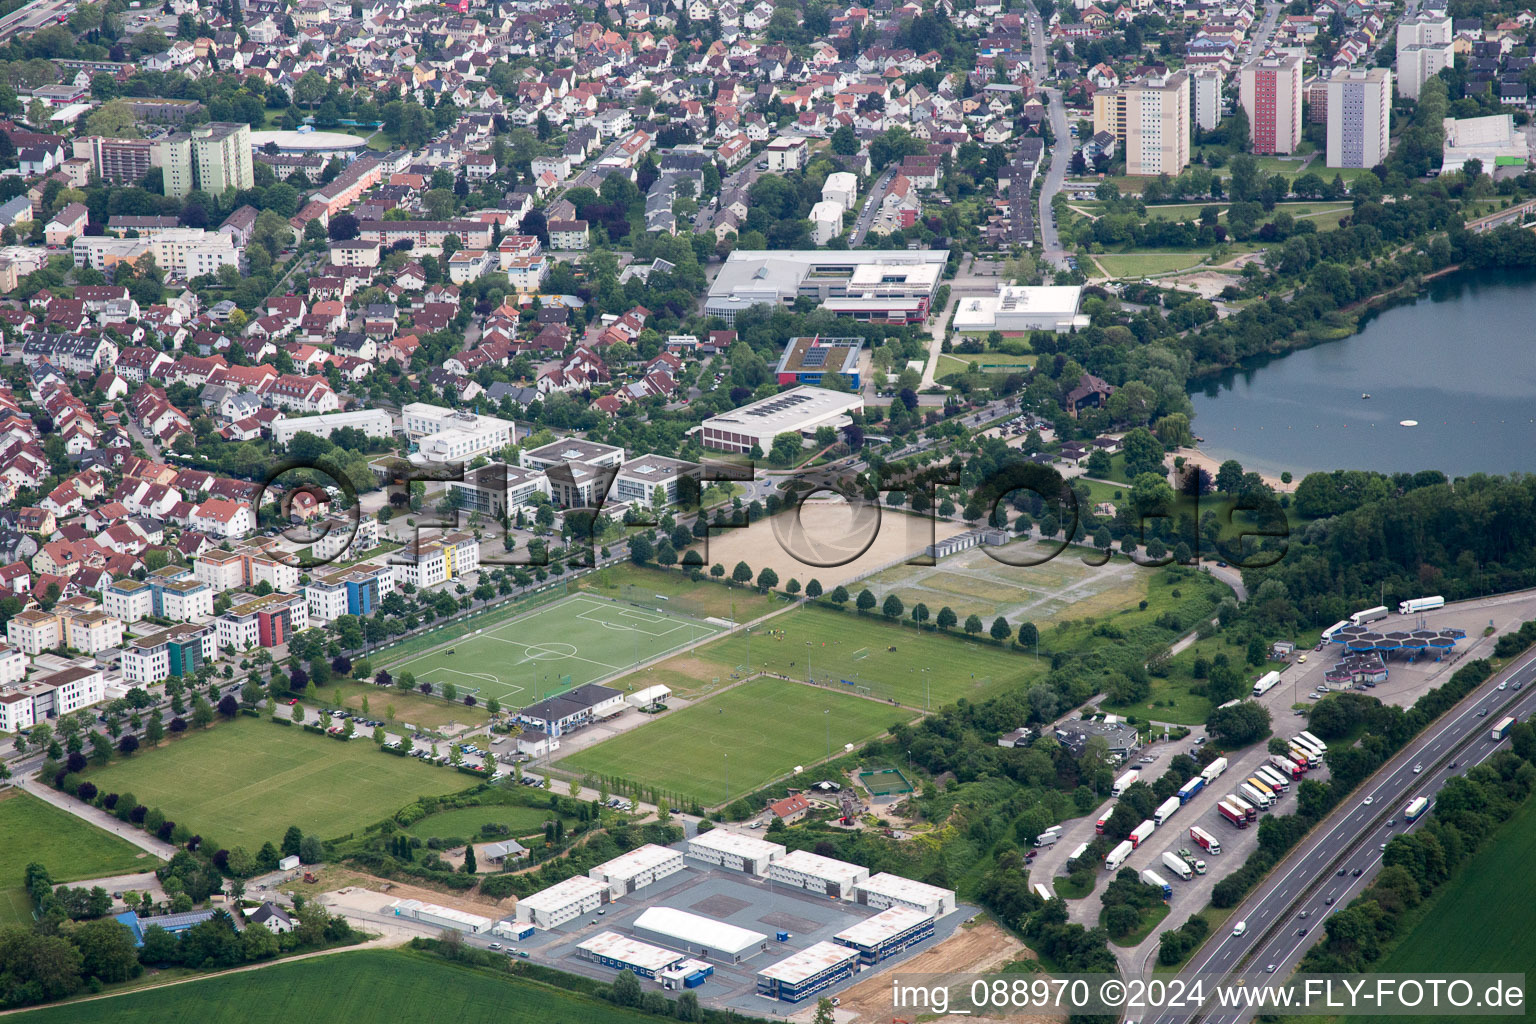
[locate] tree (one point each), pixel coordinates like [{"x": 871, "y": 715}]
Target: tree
[
  {"x": 813, "y": 588},
  {"x": 844, "y": 142},
  {"x": 625, "y": 990},
  {"x": 767, "y": 579},
  {"x": 824, "y": 1013},
  {"x": 866, "y": 601},
  {"x": 228, "y": 706},
  {"x": 469, "y": 859},
  {"x": 311, "y": 851},
  {"x": 1238, "y": 725},
  {"x": 891, "y": 609},
  {"x": 946, "y": 618},
  {"x": 786, "y": 449},
  {"x": 113, "y": 119},
  {"x": 291, "y": 840},
  {"x": 128, "y": 744},
  {"x": 342, "y": 227},
  {"x": 742, "y": 573},
  {"x": 1229, "y": 476},
  {"x": 106, "y": 950},
  {"x": 1000, "y": 630},
  {"x": 973, "y": 624}
]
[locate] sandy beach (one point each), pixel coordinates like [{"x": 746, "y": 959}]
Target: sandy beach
[{"x": 1194, "y": 456}]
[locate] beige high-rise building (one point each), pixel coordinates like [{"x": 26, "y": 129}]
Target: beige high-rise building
[
  {"x": 1424, "y": 48},
  {"x": 1269, "y": 90},
  {"x": 1150, "y": 121},
  {"x": 1359, "y": 116},
  {"x": 213, "y": 157}
]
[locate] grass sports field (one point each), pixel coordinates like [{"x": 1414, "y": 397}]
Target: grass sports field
[
  {"x": 835, "y": 646},
  {"x": 1474, "y": 924},
  {"x": 246, "y": 780},
  {"x": 571, "y": 642},
  {"x": 762, "y": 729},
  {"x": 373, "y": 987},
  {"x": 681, "y": 596},
  {"x": 71, "y": 849}
]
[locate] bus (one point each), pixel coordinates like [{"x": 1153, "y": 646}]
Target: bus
[
  {"x": 1369, "y": 615},
  {"x": 1415, "y": 808}
]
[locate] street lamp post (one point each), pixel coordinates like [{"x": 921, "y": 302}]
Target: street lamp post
[
  {"x": 727, "y": 778},
  {"x": 826, "y": 717}
]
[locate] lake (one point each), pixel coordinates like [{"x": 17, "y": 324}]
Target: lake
[{"x": 1460, "y": 359}]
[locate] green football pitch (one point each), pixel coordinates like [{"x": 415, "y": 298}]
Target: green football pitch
[{"x": 575, "y": 641}]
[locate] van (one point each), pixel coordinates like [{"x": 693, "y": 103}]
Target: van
[{"x": 1240, "y": 928}]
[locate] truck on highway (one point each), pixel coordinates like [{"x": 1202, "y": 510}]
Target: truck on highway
[
  {"x": 1375, "y": 614},
  {"x": 1190, "y": 788},
  {"x": 1117, "y": 855},
  {"x": 1502, "y": 728},
  {"x": 1207, "y": 842},
  {"x": 1077, "y": 853},
  {"x": 1241, "y": 803},
  {"x": 1178, "y": 865},
  {"x": 1142, "y": 832},
  {"x": 1274, "y": 777},
  {"x": 1266, "y": 682},
  {"x": 1211, "y": 772},
  {"x": 1125, "y": 781},
  {"x": 1286, "y": 765},
  {"x": 1232, "y": 814},
  {"x": 1155, "y": 880},
  {"x": 1420, "y": 604},
  {"x": 1166, "y": 810},
  {"x": 1254, "y": 795},
  {"x": 1416, "y": 807}
]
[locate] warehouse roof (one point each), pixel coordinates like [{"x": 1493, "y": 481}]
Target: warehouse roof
[
  {"x": 698, "y": 931},
  {"x": 897, "y": 887}
]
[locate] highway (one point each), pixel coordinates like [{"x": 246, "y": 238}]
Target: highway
[{"x": 1318, "y": 877}]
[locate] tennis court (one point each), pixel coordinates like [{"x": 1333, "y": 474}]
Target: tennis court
[{"x": 575, "y": 641}]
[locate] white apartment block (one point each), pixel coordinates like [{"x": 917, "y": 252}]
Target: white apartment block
[
  {"x": 1424, "y": 48},
  {"x": 343, "y": 538},
  {"x": 1205, "y": 90},
  {"x": 221, "y": 570},
  {"x": 13, "y": 665},
  {"x": 34, "y": 632},
  {"x": 1359, "y": 116},
  {"x": 444, "y": 435},
  {"x": 95, "y": 631},
  {"x": 61, "y": 693},
  {"x": 428, "y": 562}
]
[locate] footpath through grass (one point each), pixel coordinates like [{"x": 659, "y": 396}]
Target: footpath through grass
[
  {"x": 365, "y": 987},
  {"x": 69, "y": 847},
  {"x": 244, "y": 781},
  {"x": 737, "y": 740}
]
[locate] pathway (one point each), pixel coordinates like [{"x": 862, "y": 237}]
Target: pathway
[{"x": 101, "y": 819}]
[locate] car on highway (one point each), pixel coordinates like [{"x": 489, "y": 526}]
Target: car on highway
[
  {"x": 1301, "y": 931},
  {"x": 1369, "y": 800},
  {"x": 1340, "y": 872},
  {"x": 1358, "y": 872},
  {"x": 1304, "y": 915},
  {"x": 1302, "y": 659},
  {"x": 1240, "y": 928},
  {"x": 1418, "y": 768},
  {"x": 1148, "y": 760},
  {"x": 1328, "y": 900},
  {"x": 1482, "y": 712},
  {"x": 1270, "y": 969},
  {"x": 1504, "y": 685}
]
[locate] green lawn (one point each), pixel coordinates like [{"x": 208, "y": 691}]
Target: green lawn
[
  {"x": 991, "y": 362},
  {"x": 1150, "y": 919},
  {"x": 246, "y": 780},
  {"x": 1469, "y": 926},
  {"x": 756, "y": 731},
  {"x": 414, "y": 708},
  {"x": 69, "y": 847},
  {"x": 465, "y": 822},
  {"x": 1142, "y": 264},
  {"x": 366, "y": 987},
  {"x": 705, "y": 599},
  {"x": 574, "y": 641}
]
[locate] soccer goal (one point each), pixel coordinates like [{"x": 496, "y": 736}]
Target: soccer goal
[{"x": 860, "y": 654}]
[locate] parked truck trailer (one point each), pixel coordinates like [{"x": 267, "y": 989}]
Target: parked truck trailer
[
  {"x": 1142, "y": 832},
  {"x": 1166, "y": 810},
  {"x": 1207, "y": 842},
  {"x": 1232, "y": 814},
  {"x": 1125, "y": 782},
  {"x": 1178, "y": 865},
  {"x": 1155, "y": 880},
  {"x": 1117, "y": 855},
  {"x": 1211, "y": 772},
  {"x": 1190, "y": 788},
  {"x": 1266, "y": 682}
]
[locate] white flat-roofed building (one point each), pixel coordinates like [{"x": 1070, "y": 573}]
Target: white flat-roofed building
[
  {"x": 573, "y": 449},
  {"x": 373, "y": 422},
  {"x": 639, "y": 478},
  {"x": 887, "y": 933},
  {"x": 888, "y": 890},
  {"x": 453, "y": 435},
  {"x": 637, "y": 869},
  {"x": 562, "y": 902},
  {"x": 580, "y": 472},
  {"x": 625, "y": 954},
  {"x": 779, "y": 277},
  {"x": 818, "y": 874},
  {"x": 799, "y": 410},
  {"x": 807, "y": 972},
  {"x": 733, "y": 850},
  {"x": 700, "y": 936},
  {"x": 498, "y": 488},
  {"x": 1017, "y": 308},
  {"x": 441, "y": 917}
]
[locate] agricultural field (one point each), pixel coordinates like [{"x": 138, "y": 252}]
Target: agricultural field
[
  {"x": 1467, "y": 927},
  {"x": 375, "y": 986},
  {"x": 576, "y": 640},
  {"x": 246, "y": 780},
  {"x": 69, "y": 847},
  {"x": 756, "y": 731},
  {"x": 974, "y": 582},
  {"x": 674, "y": 591}
]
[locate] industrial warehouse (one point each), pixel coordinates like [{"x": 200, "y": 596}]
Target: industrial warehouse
[{"x": 737, "y": 919}]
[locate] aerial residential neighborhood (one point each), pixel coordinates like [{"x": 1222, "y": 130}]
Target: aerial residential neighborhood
[{"x": 714, "y": 511}]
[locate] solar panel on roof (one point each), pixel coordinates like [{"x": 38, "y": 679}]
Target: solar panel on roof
[{"x": 814, "y": 357}]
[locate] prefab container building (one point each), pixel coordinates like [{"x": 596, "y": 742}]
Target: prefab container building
[
  {"x": 887, "y": 933},
  {"x": 625, "y": 954},
  {"x": 562, "y": 902},
  {"x": 441, "y": 917},
  {"x": 637, "y": 868},
  {"x": 888, "y": 890},
  {"x": 807, "y": 972},
  {"x": 726, "y": 849},
  {"x": 700, "y": 936},
  {"x": 815, "y": 873}
]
